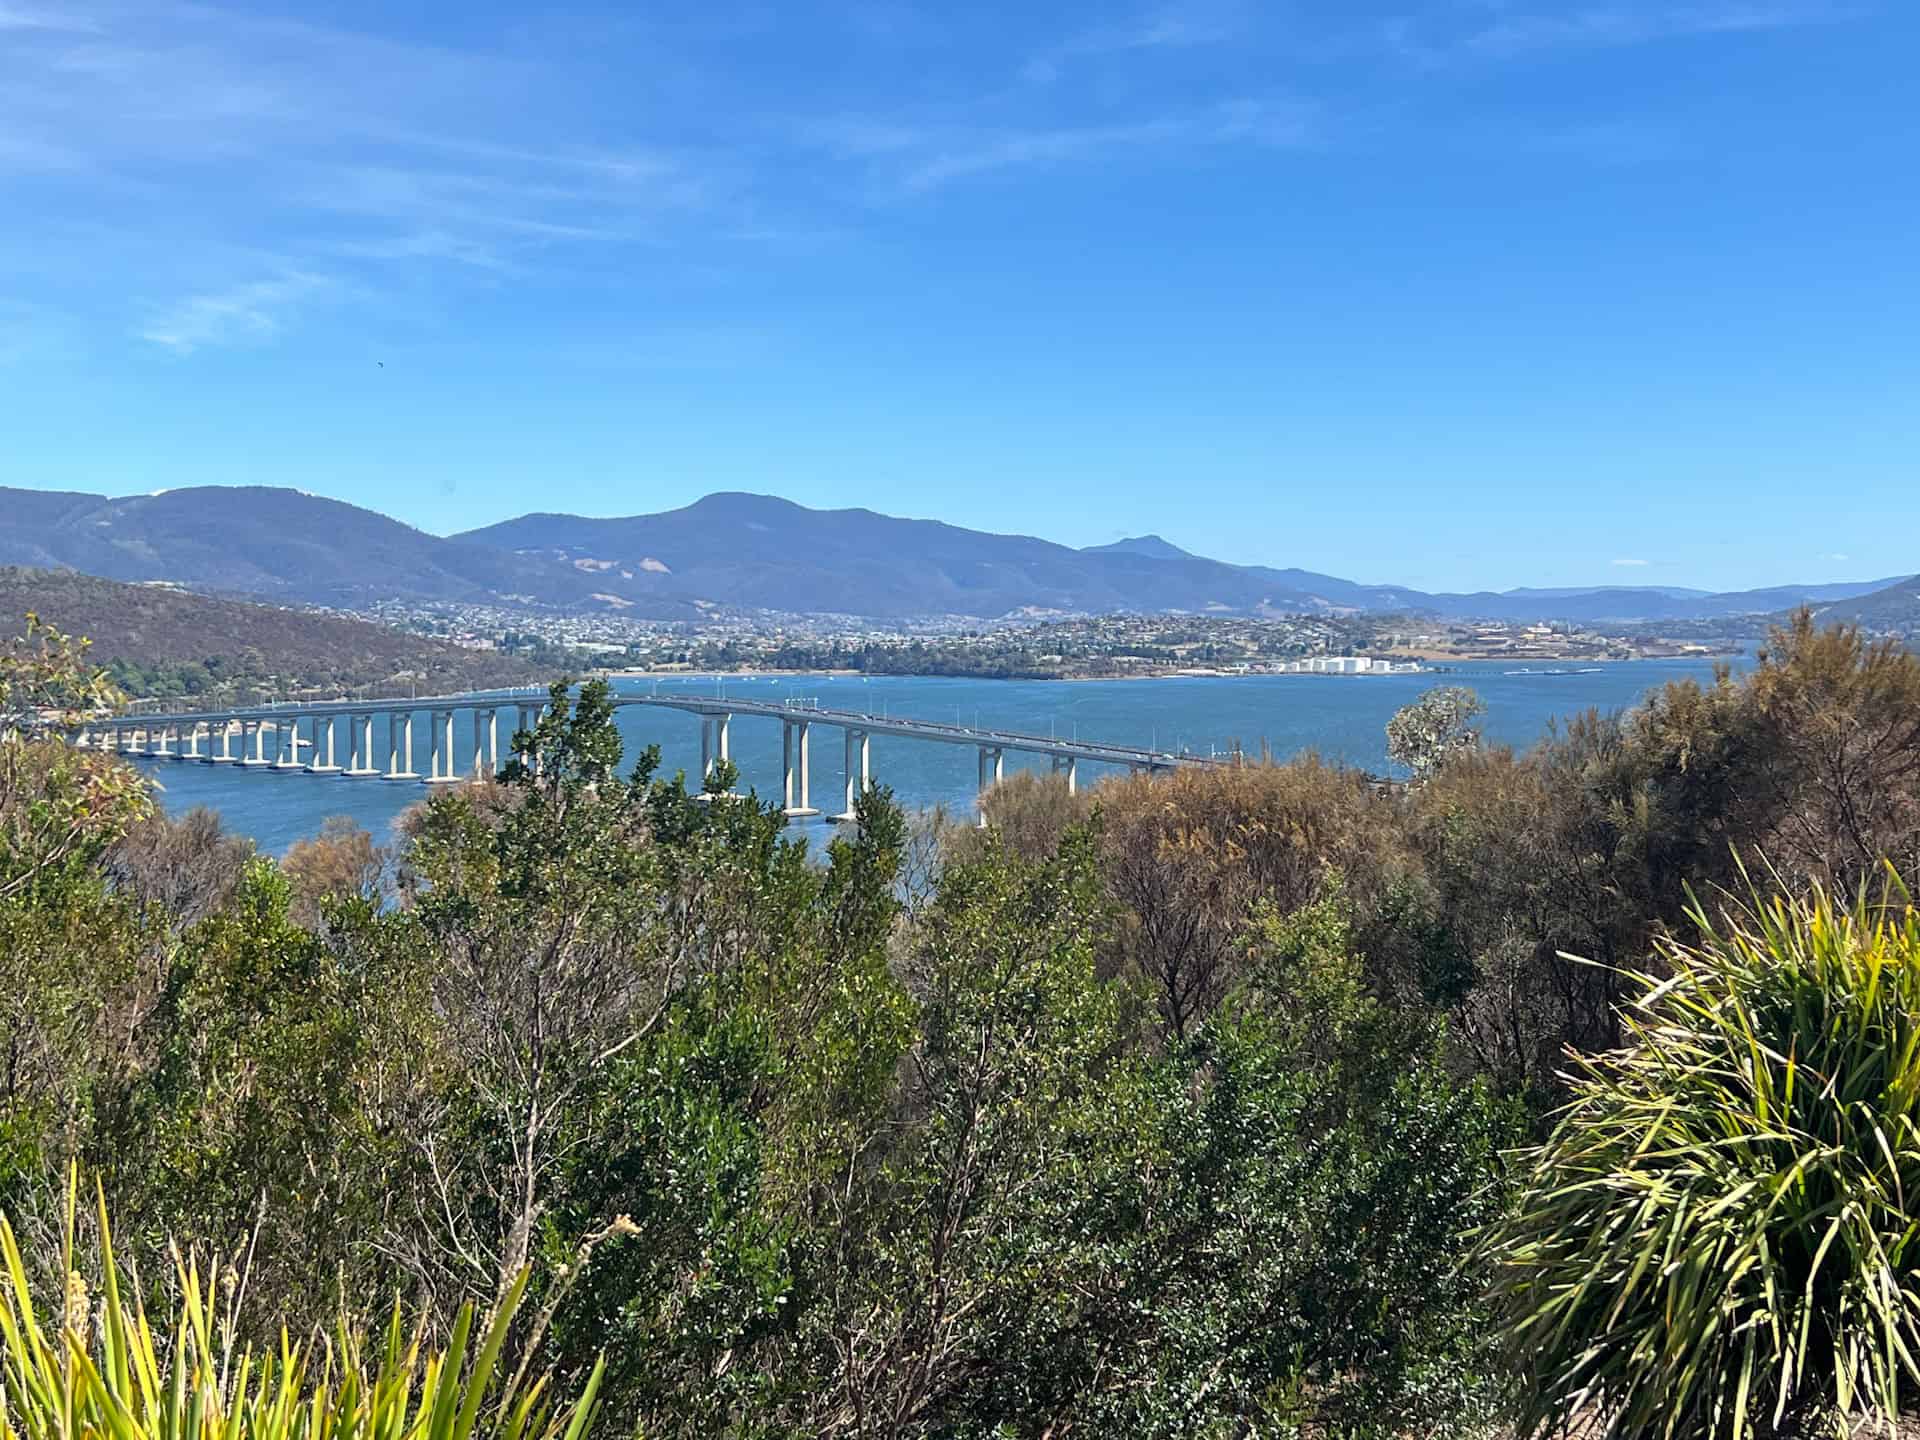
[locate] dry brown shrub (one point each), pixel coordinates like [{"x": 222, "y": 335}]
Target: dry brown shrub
[
  {"x": 1188, "y": 854},
  {"x": 187, "y": 866},
  {"x": 341, "y": 862}
]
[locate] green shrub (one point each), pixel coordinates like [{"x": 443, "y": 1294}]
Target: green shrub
[{"x": 1720, "y": 1239}]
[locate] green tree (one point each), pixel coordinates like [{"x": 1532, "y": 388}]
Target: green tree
[
  {"x": 59, "y": 807},
  {"x": 1434, "y": 729}
]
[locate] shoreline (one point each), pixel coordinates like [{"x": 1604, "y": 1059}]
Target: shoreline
[{"x": 1435, "y": 667}]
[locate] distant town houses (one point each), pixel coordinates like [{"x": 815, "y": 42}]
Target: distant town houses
[{"x": 1029, "y": 646}]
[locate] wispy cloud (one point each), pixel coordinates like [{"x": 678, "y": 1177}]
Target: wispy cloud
[
  {"x": 1163, "y": 28},
  {"x": 34, "y": 17},
  {"x": 218, "y": 137},
  {"x": 228, "y": 134},
  {"x": 1238, "y": 122},
  {"x": 926, "y": 157},
  {"x": 1180, "y": 26},
  {"x": 1513, "y": 32},
  {"x": 248, "y": 313},
  {"x": 428, "y": 245},
  {"x": 1632, "y": 564}
]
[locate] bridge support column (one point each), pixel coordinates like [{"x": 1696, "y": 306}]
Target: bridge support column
[
  {"x": 486, "y": 744},
  {"x": 400, "y": 745},
  {"x": 443, "y": 770},
  {"x": 523, "y": 724},
  {"x": 715, "y": 744},
  {"x": 360, "y": 764},
  {"x": 793, "y": 769},
  {"x": 190, "y": 741},
  {"x": 287, "y": 733},
  {"x": 322, "y": 761},
  {"x": 859, "y": 757},
  {"x": 225, "y": 757},
  {"x": 256, "y": 732},
  {"x": 992, "y": 769},
  {"x": 157, "y": 742},
  {"x": 1069, "y": 766}
]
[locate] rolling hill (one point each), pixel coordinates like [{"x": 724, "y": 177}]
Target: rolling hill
[
  {"x": 280, "y": 543},
  {"x": 151, "y": 631},
  {"x": 1894, "y": 610}
]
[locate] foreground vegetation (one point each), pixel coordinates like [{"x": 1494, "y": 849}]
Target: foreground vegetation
[
  {"x": 1222, "y": 1104},
  {"x": 100, "y": 1372}
]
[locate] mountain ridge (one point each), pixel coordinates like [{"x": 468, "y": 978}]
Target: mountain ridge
[{"x": 743, "y": 550}]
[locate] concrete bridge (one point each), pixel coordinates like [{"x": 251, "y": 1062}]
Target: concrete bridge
[{"x": 379, "y": 735}]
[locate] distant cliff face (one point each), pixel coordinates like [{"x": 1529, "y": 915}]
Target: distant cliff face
[{"x": 752, "y": 551}]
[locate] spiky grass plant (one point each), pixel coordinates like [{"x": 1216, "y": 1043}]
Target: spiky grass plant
[
  {"x": 1720, "y": 1239},
  {"x": 102, "y": 1372}
]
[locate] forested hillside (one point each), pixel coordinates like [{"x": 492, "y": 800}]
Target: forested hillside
[{"x": 162, "y": 642}]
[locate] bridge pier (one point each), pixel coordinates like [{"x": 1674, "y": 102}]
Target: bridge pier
[
  {"x": 287, "y": 735},
  {"x": 525, "y": 724},
  {"x": 157, "y": 743},
  {"x": 486, "y": 744},
  {"x": 1069, "y": 766},
  {"x": 794, "y": 744},
  {"x": 190, "y": 741},
  {"x": 992, "y": 771},
  {"x": 322, "y": 761},
  {"x": 715, "y": 743},
  {"x": 400, "y": 745},
  {"x": 360, "y": 764},
  {"x": 255, "y": 731},
  {"x": 441, "y": 735},
  {"x": 859, "y": 758}
]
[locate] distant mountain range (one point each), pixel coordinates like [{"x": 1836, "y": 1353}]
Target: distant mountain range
[{"x": 744, "y": 551}]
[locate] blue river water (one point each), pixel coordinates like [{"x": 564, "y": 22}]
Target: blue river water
[{"x": 1343, "y": 718}]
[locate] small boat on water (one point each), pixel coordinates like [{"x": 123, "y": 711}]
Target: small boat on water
[{"x": 1582, "y": 670}]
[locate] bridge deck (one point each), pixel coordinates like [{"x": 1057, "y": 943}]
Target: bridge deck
[
  {"x": 1092, "y": 751},
  {"x": 935, "y": 730}
]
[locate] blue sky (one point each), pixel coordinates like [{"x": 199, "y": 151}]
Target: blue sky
[{"x": 1446, "y": 293}]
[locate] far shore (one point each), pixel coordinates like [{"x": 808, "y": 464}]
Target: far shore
[
  {"x": 939, "y": 675},
  {"x": 1439, "y": 665}
]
